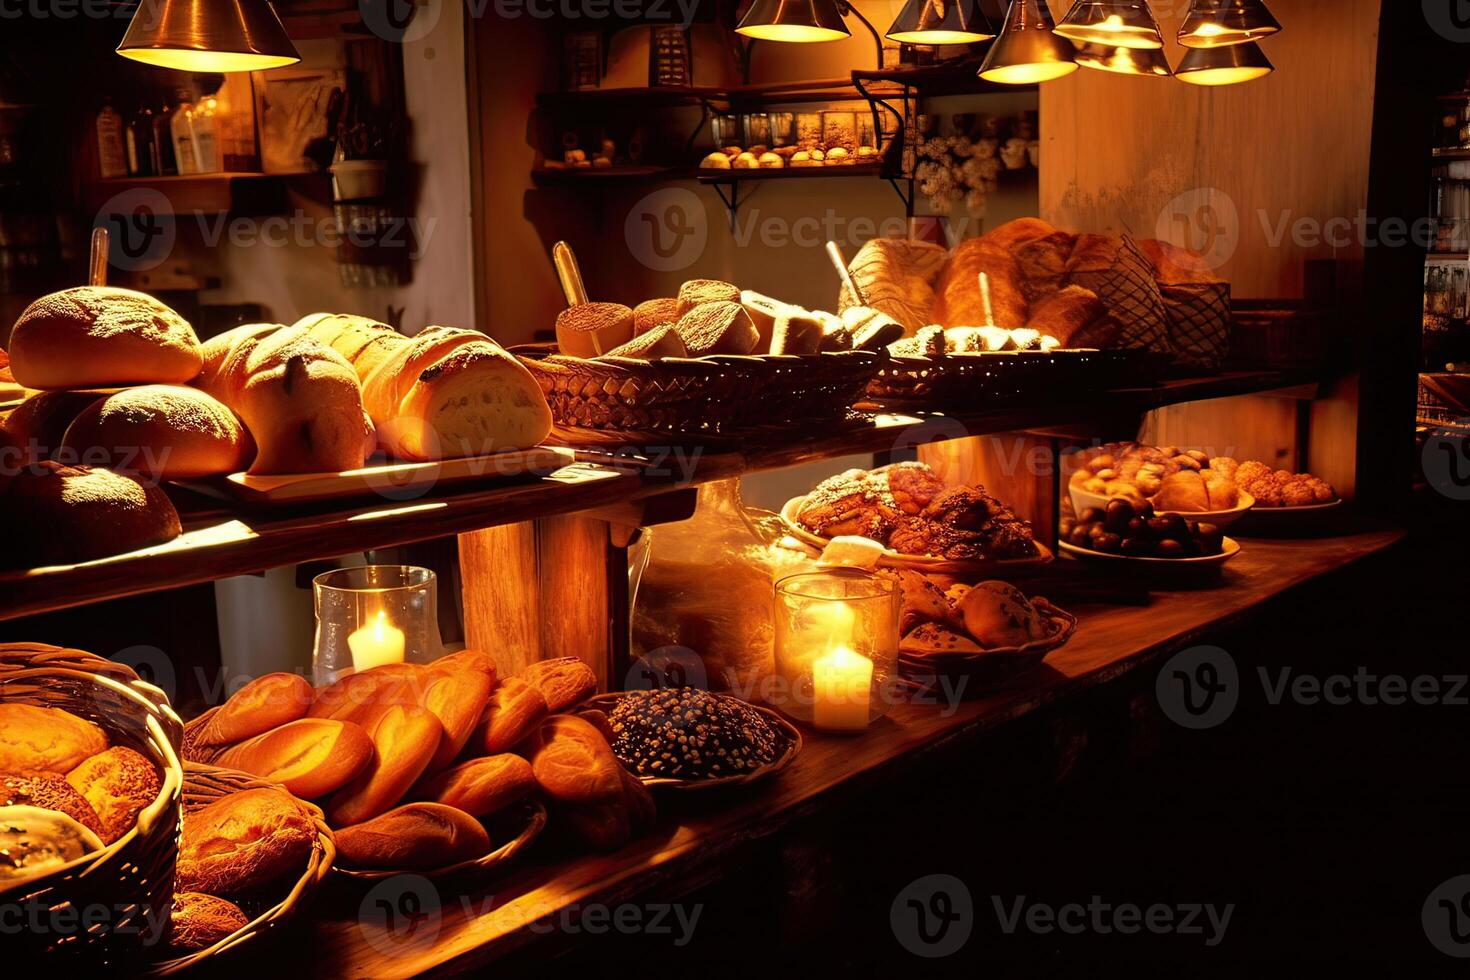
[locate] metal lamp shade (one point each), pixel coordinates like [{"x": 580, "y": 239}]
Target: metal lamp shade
[
  {"x": 208, "y": 36},
  {"x": 1224, "y": 66},
  {"x": 1220, "y": 23},
  {"x": 1027, "y": 51},
  {"x": 940, "y": 22},
  {"x": 1124, "y": 61},
  {"x": 793, "y": 20},
  {"x": 1112, "y": 23}
]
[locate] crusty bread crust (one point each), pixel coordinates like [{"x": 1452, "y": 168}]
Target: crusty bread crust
[{"x": 102, "y": 337}]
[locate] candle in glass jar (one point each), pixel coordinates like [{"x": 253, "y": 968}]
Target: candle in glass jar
[
  {"x": 376, "y": 644},
  {"x": 841, "y": 686}
]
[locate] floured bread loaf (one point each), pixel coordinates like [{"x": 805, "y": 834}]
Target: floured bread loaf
[
  {"x": 654, "y": 313},
  {"x": 38, "y": 423},
  {"x": 959, "y": 302},
  {"x": 299, "y": 398},
  {"x": 444, "y": 393},
  {"x": 55, "y": 515},
  {"x": 589, "y": 329},
  {"x": 101, "y": 337},
  {"x": 896, "y": 277},
  {"x": 698, "y": 291},
  {"x": 162, "y": 432},
  {"x": 661, "y": 341},
  {"x": 718, "y": 328}
]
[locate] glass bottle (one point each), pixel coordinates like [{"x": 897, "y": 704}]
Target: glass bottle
[
  {"x": 183, "y": 135},
  {"x": 142, "y": 158},
  {"x": 111, "y": 158},
  {"x": 163, "y": 140}
]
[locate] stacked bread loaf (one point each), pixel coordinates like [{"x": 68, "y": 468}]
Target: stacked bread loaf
[
  {"x": 409, "y": 760},
  {"x": 710, "y": 317}
]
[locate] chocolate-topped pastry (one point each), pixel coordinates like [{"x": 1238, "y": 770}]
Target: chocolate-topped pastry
[
  {"x": 853, "y": 502},
  {"x": 686, "y": 733}
]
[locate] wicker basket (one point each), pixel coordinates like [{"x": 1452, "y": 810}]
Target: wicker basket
[
  {"x": 977, "y": 380},
  {"x": 709, "y": 396},
  {"x": 202, "y": 786},
  {"x": 518, "y": 825},
  {"x": 130, "y": 881}
]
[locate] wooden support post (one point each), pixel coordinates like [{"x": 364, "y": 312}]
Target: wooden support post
[{"x": 501, "y": 594}]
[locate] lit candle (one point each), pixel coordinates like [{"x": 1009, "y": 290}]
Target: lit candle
[
  {"x": 841, "y": 685},
  {"x": 375, "y": 645}
]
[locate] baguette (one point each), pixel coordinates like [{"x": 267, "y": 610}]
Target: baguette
[
  {"x": 516, "y": 708},
  {"x": 562, "y": 681},
  {"x": 405, "y": 738},
  {"x": 573, "y": 763},
  {"x": 481, "y": 787},
  {"x": 414, "y": 837},
  {"x": 267, "y": 702},
  {"x": 299, "y": 398},
  {"x": 458, "y": 700},
  {"x": 310, "y": 757}
]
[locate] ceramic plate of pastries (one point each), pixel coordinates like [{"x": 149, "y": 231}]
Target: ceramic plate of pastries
[
  {"x": 985, "y": 632},
  {"x": 685, "y": 738},
  {"x": 916, "y": 519},
  {"x": 330, "y": 406},
  {"x": 1127, "y": 534},
  {"x": 439, "y": 769}
]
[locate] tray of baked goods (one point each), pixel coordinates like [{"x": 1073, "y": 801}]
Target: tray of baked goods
[{"x": 907, "y": 517}]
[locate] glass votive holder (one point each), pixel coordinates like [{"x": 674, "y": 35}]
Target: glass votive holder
[
  {"x": 371, "y": 615},
  {"x": 836, "y": 648}
]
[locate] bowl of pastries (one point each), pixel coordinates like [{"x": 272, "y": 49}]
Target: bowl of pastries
[
  {"x": 89, "y": 806},
  {"x": 1189, "y": 482},
  {"x": 438, "y": 769},
  {"x": 981, "y": 632},
  {"x": 917, "y": 520}
]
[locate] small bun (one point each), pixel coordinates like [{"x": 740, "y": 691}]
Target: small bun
[
  {"x": 163, "y": 432},
  {"x": 589, "y": 329},
  {"x": 58, "y": 515},
  {"x": 102, "y": 337},
  {"x": 49, "y": 791},
  {"x": 118, "y": 784}
]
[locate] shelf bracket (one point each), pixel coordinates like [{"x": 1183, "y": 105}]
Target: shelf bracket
[
  {"x": 907, "y": 198},
  {"x": 732, "y": 199}
]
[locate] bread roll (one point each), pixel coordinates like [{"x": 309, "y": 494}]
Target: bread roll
[
  {"x": 45, "y": 739},
  {"x": 467, "y": 659},
  {"x": 661, "y": 341},
  {"x": 458, "y": 699},
  {"x": 159, "y": 432},
  {"x": 718, "y": 328},
  {"x": 1066, "y": 314},
  {"x": 362, "y": 696},
  {"x": 310, "y": 757},
  {"x": 1042, "y": 263},
  {"x": 696, "y": 292},
  {"x": 589, "y": 329},
  {"x": 763, "y": 311},
  {"x": 481, "y": 787},
  {"x": 871, "y": 329},
  {"x": 562, "y": 681},
  {"x": 998, "y": 614},
  {"x": 959, "y": 303},
  {"x": 267, "y": 702},
  {"x": 38, "y": 424},
  {"x": 573, "y": 763},
  {"x": 198, "y": 921},
  {"x": 516, "y": 708},
  {"x": 299, "y": 398},
  {"x": 56, "y": 515},
  {"x": 1017, "y": 232},
  {"x": 796, "y": 332},
  {"x": 51, "y": 791},
  {"x": 405, "y": 738},
  {"x": 414, "y": 837},
  {"x": 101, "y": 337},
  {"x": 118, "y": 783},
  {"x": 36, "y": 842},
  {"x": 243, "y": 841},
  {"x": 1182, "y": 491},
  {"x": 654, "y": 313},
  {"x": 363, "y": 342}
]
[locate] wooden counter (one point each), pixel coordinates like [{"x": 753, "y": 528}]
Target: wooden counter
[{"x": 510, "y": 912}]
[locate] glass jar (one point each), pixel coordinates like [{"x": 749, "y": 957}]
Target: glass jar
[
  {"x": 808, "y": 131},
  {"x": 839, "y": 128},
  {"x": 758, "y": 132},
  {"x": 726, "y": 131},
  {"x": 372, "y": 615},
  {"x": 836, "y": 648},
  {"x": 783, "y": 128}
]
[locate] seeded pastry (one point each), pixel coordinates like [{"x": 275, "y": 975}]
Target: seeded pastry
[{"x": 686, "y": 733}]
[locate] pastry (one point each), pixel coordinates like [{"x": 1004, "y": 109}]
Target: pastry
[
  {"x": 102, "y": 337},
  {"x": 516, "y": 708},
  {"x": 717, "y": 328},
  {"x": 652, "y": 344},
  {"x": 1183, "y": 491},
  {"x": 572, "y": 762},
  {"x": 655, "y": 313},
  {"x": 1066, "y": 314},
  {"x": 1280, "y": 488},
  {"x": 959, "y": 302},
  {"x": 563, "y": 682},
  {"x": 937, "y": 639},
  {"x": 1042, "y": 263},
  {"x": 481, "y": 787},
  {"x": 413, "y": 837},
  {"x": 49, "y": 791},
  {"x": 362, "y": 696},
  {"x": 300, "y": 399},
  {"x": 310, "y": 757},
  {"x": 198, "y": 921},
  {"x": 118, "y": 783},
  {"x": 35, "y": 842},
  {"x": 998, "y": 614},
  {"x": 459, "y": 700},
  {"x": 45, "y": 739},
  {"x": 871, "y": 329},
  {"x": 896, "y": 277},
  {"x": 696, "y": 292},
  {"x": 38, "y": 424},
  {"x": 159, "y": 432},
  {"x": 52, "y": 514},
  {"x": 686, "y": 733},
  {"x": 405, "y": 738},
  {"x": 913, "y": 485},
  {"x": 589, "y": 329},
  {"x": 267, "y": 702},
  {"x": 715, "y": 161},
  {"x": 796, "y": 332},
  {"x": 849, "y": 503},
  {"x": 920, "y": 600},
  {"x": 243, "y": 841}
]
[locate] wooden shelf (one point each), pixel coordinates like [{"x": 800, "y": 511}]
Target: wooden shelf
[
  {"x": 936, "y": 80},
  {"x": 595, "y": 177},
  {"x": 789, "y": 173},
  {"x": 221, "y": 193},
  {"x": 220, "y": 542},
  {"x": 694, "y": 845}
]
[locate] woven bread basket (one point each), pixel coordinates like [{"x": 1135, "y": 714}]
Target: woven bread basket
[
  {"x": 202, "y": 786},
  {"x": 124, "y": 892},
  {"x": 715, "y": 395},
  {"x": 973, "y": 381}
]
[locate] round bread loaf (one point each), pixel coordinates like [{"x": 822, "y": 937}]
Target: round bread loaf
[
  {"x": 199, "y": 921},
  {"x": 655, "y": 313},
  {"x": 718, "y": 328},
  {"x": 58, "y": 515},
  {"x": 102, "y": 337},
  {"x": 589, "y": 329},
  {"x": 118, "y": 784},
  {"x": 698, "y": 291},
  {"x": 243, "y": 841},
  {"x": 161, "y": 432},
  {"x": 38, "y": 424}
]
